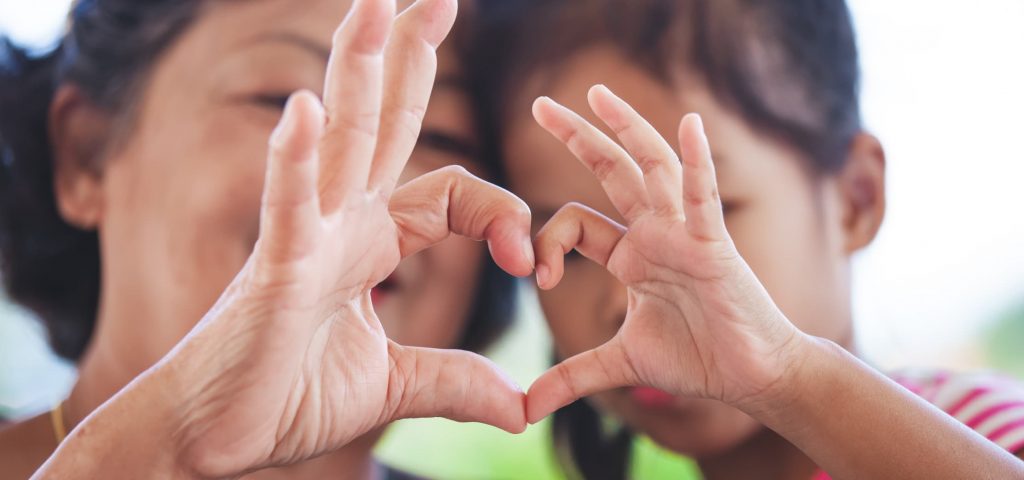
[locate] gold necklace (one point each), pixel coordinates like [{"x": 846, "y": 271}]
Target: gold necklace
[{"x": 57, "y": 419}]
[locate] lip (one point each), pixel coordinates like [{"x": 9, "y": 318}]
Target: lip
[{"x": 649, "y": 397}]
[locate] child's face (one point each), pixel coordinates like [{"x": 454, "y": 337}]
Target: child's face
[{"x": 786, "y": 224}]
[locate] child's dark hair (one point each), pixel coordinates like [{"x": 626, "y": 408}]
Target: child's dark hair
[
  {"x": 52, "y": 267},
  {"x": 789, "y": 68}
]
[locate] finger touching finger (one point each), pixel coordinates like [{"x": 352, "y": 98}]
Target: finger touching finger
[{"x": 603, "y": 368}]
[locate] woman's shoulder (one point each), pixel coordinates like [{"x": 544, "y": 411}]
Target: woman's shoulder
[
  {"x": 992, "y": 404},
  {"x": 24, "y": 446}
]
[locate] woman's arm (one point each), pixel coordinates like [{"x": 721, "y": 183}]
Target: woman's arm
[{"x": 700, "y": 323}]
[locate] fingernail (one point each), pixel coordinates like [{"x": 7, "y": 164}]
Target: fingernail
[{"x": 543, "y": 274}]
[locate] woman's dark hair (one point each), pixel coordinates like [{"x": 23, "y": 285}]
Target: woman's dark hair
[
  {"x": 52, "y": 267},
  {"x": 789, "y": 68}
]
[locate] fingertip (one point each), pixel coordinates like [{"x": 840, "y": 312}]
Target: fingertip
[
  {"x": 443, "y": 13},
  {"x": 535, "y": 410},
  {"x": 286, "y": 126},
  {"x": 543, "y": 276},
  {"x": 599, "y": 92},
  {"x": 373, "y": 20},
  {"x": 299, "y": 127},
  {"x": 539, "y": 106},
  {"x": 692, "y": 124},
  {"x": 514, "y": 258},
  {"x": 519, "y": 425},
  {"x": 695, "y": 119}
]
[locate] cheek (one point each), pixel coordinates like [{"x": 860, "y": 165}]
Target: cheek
[
  {"x": 784, "y": 241},
  {"x": 183, "y": 212},
  {"x": 585, "y": 310}
]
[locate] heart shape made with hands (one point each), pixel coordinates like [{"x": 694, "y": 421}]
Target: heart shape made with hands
[{"x": 301, "y": 357}]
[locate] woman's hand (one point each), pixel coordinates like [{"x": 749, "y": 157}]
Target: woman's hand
[
  {"x": 699, "y": 323},
  {"x": 292, "y": 361},
  {"x": 303, "y": 365}
]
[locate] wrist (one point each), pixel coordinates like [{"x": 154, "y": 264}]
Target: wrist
[
  {"x": 131, "y": 434},
  {"x": 800, "y": 365}
]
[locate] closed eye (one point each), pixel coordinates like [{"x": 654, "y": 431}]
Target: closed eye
[{"x": 270, "y": 101}]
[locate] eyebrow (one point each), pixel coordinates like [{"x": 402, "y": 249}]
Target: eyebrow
[
  {"x": 310, "y": 45},
  {"x": 449, "y": 81}
]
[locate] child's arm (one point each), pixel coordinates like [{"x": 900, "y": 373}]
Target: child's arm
[
  {"x": 701, "y": 324},
  {"x": 856, "y": 423}
]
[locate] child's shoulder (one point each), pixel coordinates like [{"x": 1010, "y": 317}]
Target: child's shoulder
[{"x": 989, "y": 403}]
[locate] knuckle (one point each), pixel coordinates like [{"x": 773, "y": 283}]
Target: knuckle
[
  {"x": 360, "y": 123},
  {"x": 570, "y": 210},
  {"x": 649, "y": 163}
]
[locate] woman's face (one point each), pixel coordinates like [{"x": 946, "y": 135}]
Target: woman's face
[
  {"x": 182, "y": 192},
  {"x": 783, "y": 223}
]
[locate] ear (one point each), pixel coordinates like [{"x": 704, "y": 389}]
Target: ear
[
  {"x": 862, "y": 187},
  {"x": 78, "y": 132}
]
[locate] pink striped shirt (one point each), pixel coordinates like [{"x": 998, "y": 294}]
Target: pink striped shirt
[{"x": 991, "y": 404}]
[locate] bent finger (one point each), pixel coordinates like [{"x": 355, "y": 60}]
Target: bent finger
[
  {"x": 451, "y": 200},
  {"x": 578, "y": 227}
]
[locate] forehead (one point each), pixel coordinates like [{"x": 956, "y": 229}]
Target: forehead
[
  {"x": 540, "y": 168},
  {"x": 238, "y": 22},
  {"x": 544, "y": 172}
]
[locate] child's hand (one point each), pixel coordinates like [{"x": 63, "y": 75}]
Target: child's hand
[{"x": 699, "y": 323}]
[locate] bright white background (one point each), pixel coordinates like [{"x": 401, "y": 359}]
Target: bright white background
[{"x": 943, "y": 88}]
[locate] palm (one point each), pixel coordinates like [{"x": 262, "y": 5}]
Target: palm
[
  {"x": 698, "y": 322},
  {"x": 301, "y": 364},
  {"x": 672, "y": 275}
]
